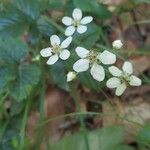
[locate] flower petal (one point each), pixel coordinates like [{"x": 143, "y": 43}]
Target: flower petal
[
  {"x": 46, "y": 52},
  {"x": 107, "y": 57},
  {"x": 97, "y": 72},
  {"x": 66, "y": 42},
  {"x": 69, "y": 30},
  {"x": 77, "y": 14},
  {"x": 81, "y": 65},
  {"x": 71, "y": 75},
  {"x": 52, "y": 59},
  {"x": 81, "y": 29},
  {"x": 120, "y": 89},
  {"x": 135, "y": 81},
  {"x": 82, "y": 52},
  {"x": 127, "y": 67},
  {"x": 67, "y": 21},
  {"x": 113, "y": 82},
  {"x": 115, "y": 71},
  {"x": 65, "y": 54},
  {"x": 54, "y": 40},
  {"x": 86, "y": 20}
]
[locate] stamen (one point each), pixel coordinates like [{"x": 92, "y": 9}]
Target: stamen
[{"x": 56, "y": 49}]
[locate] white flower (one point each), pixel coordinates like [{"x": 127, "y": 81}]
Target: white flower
[
  {"x": 94, "y": 60},
  {"x": 56, "y": 50},
  {"x": 117, "y": 44},
  {"x": 70, "y": 76},
  {"x": 76, "y": 23},
  {"x": 122, "y": 78}
]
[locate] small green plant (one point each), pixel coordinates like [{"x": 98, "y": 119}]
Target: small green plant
[{"x": 79, "y": 54}]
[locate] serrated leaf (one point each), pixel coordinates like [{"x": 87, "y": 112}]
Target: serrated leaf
[
  {"x": 93, "y": 7},
  {"x": 12, "y": 50},
  {"x": 13, "y": 23},
  {"x": 31, "y": 8},
  {"x": 28, "y": 76}
]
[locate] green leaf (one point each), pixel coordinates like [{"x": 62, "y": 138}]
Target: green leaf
[
  {"x": 102, "y": 139},
  {"x": 31, "y": 8},
  {"x": 27, "y": 77},
  {"x": 16, "y": 108},
  {"x": 44, "y": 26},
  {"x": 13, "y": 23},
  {"x": 12, "y": 50},
  {"x": 55, "y": 4},
  {"x": 89, "y": 38},
  {"x": 93, "y": 7},
  {"x": 5, "y": 77},
  {"x": 87, "y": 80},
  {"x": 58, "y": 73},
  {"x": 143, "y": 137}
]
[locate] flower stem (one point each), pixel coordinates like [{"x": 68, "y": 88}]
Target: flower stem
[
  {"x": 24, "y": 120},
  {"x": 76, "y": 98}
]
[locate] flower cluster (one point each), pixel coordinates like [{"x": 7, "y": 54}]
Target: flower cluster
[{"x": 96, "y": 61}]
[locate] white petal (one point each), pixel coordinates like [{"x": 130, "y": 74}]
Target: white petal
[
  {"x": 97, "y": 72},
  {"x": 127, "y": 67},
  {"x": 46, "y": 52},
  {"x": 107, "y": 57},
  {"x": 86, "y": 20},
  {"x": 120, "y": 89},
  {"x": 115, "y": 71},
  {"x": 81, "y": 65},
  {"x": 135, "y": 81},
  {"x": 67, "y": 21},
  {"x": 52, "y": 59},
  {"x": 66, "y": 42},
  {"x": 54, "y": 40},
  {"x": 82, "y": 52},
  {"x": 77, "y": 14},
  {"x": 65, "y": 54},
  {"x": 69, "y": 30},
  {"x": 70, "y": 76},
  {"x": 81, "y": 29},
  {"x": 113, "y": 82}
]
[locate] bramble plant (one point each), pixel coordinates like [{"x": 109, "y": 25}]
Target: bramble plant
[
  {"x": 90, "y": 58},
  {"x": 62, "y": 63}
]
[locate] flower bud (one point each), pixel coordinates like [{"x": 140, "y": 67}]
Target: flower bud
[
  {"x": 71, "y": 76},
  {"x": 117, "y": 44}
]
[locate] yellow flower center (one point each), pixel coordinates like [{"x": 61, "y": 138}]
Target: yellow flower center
[
  {"x": 92, "y": 56},
  {"x": 125, "y": 78},
  {"x": 76, "y": 23},
  {"x": 56, "y": 49}
]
